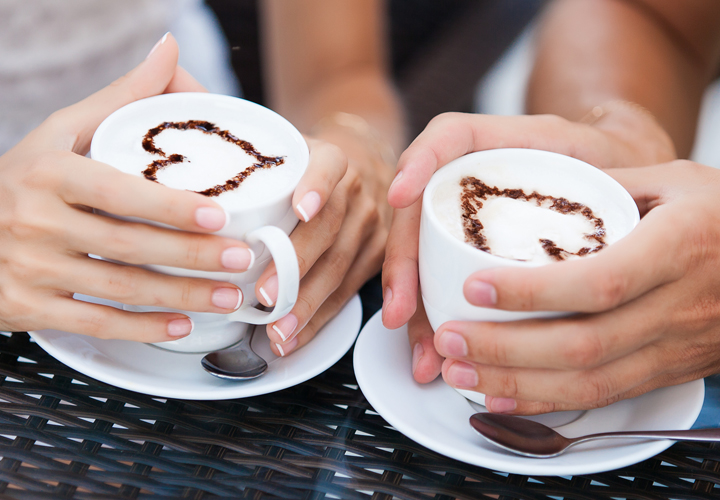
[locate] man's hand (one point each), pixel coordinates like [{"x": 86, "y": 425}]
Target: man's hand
[
  {"x": 649, "y": 308},
  {"x": 450, "y": 136}
]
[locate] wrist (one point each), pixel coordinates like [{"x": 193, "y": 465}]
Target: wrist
[
  {"x": 360, "y": 141},
  {"x": 637, "y": 128}
]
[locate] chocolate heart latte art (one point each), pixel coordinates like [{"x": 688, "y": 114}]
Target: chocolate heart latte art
[
  {"x": 148, "y": 144},
  {"x": 474, "y": 192}
]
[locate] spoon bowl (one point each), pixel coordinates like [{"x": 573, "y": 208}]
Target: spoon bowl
[
  {"x": 237, "y": 362},
  {"x": 533, "y": 439}
]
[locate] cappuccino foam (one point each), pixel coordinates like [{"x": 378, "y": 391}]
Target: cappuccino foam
[
  {"x": 525, "y": 216},
  {"x": 201, "y": 158}
]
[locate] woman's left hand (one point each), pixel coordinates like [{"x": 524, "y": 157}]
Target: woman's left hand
[
  {"x": 340, "y": 240},
  {"x": 649, "y": 304}
]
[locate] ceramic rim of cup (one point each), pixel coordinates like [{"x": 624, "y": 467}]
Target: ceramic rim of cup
[
  {"x": 232, "y": 102},
  {"x": 593, "y": 174}
]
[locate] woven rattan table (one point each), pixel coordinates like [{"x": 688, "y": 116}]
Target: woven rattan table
[{"x": 65, "y": 435}]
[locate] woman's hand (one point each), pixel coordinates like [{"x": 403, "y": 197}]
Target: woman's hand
[
  {"x": 48, "y": 189},
  {"x": 610, "y": 143},
  {"x": 327, "y": 73},
  {"x": 649, "y": 304},
  {"x": 47, "y": 229},
  {"x": 339, "y": 246}
]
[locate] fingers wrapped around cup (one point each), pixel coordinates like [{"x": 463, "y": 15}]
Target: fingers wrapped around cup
[
  {"x": 524, "y": 211},
  {"x": 338, "y": 251},
  {"x": 239, "y": 165}
]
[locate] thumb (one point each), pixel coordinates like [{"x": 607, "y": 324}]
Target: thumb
[{"x": 77, "y": 123}]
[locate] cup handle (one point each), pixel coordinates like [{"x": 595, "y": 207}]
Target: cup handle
[{"x": 288, "y": 272}]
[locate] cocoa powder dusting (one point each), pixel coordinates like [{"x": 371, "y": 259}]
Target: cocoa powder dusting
[
  {"x": 148, "y": 145},
  {"x": 474, "y": 191}
]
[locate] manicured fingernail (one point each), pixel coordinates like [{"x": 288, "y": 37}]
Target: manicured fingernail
[
  {"x": 398, "y": 176},
  {"x": 158, "y": 44},
  {"x": 237, "y": 258},
  {"x": 285, "y": 327},
  {"x": 269, "y": 290},
  {"x": 180, "y": 327},
  {"x": 500, "y": 405},
  {"x": 211, "y": 218},
  {"x": 417, "y": 354},
  {"x": 309, "y": 205},
  {"x": 462, "y": 375},
  {"x": 287, "y": 348},
  {"x": 452, "y": 345},
  {"x": 480, "y": 293},
  {"x": 227, "y": 298}
]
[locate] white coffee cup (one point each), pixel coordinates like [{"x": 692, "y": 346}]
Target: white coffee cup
[
  {"x": 257, "y": 215},
  {"x": 445, "y": 262}
]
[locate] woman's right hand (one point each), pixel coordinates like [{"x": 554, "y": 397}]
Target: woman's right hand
[
  {"x": 48, "y": 189},
  {"x": 624, "y": 138}
]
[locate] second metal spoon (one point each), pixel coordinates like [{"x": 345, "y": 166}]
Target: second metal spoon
[
  {"x": 532, "y": 439},
  {"x": 237, "y": 362}
]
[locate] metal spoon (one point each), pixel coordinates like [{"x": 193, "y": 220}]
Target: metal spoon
[
  {"x": 533, "y": 439},
  {"x": 237, "y": 362}
]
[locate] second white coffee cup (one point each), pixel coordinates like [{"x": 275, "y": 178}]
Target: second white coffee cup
[
  {"x": 259, "y": 211},
  {"x": 445, "y": 262}
]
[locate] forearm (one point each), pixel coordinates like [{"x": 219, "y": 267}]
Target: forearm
[
  {"x": 594, "y": 51},
  {"x": 332, "y": 61},
  {"x": 363, "y": 93}
]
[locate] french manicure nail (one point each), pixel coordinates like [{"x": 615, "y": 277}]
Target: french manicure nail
[
  {"x": 500, "y": 405},
  {"x": 462, "y": 375},
  {"x": 285, "y": 350},
  {"x": 237, "y": 258},
  {"x": 267, "y": 298},
  {"x": 417, "y": 354},
  {"x": 158, "y": 44},
  {"x": 309, "y": 205},
  {"x": 180, "y": 327},
  {"x": 285, "y": 326},
  {"x": 227, "y": 298},
  {"x": 211, "y": 218},
  {"x": 453, "y": 345},
  {"x": 269, "y": 290},
  {"x": 481, "y": 293},
  {"x": 279, "y": 332}
]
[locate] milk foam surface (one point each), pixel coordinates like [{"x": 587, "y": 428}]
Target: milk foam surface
[
  {"x": 209, "y": 160},
  {"x": 513, "y": 228}
]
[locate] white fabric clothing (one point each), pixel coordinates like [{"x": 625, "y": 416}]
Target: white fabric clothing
[{"x": 55, "y": 53}]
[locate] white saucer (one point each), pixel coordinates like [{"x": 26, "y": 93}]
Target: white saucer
[
  {"x": 150, "y": 370},
  {"x": 436, "y": 416}
]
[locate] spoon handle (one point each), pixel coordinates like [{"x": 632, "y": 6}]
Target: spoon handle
[{"x": 691, "y": 435}]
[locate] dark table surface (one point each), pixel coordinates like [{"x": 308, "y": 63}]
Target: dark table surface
[{"x": 65, "y": 435}]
